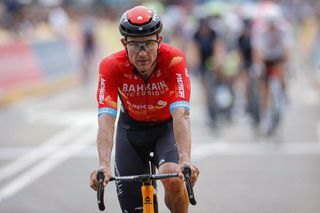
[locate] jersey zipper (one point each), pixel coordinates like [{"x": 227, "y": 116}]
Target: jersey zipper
[
  {"x": 147, "y": 89},
  {"x": 147, "y": 100},
  {"x": 145, "y": 83}
]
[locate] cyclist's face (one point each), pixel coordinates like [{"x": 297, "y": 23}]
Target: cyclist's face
[{"x": 142, "y": 51}]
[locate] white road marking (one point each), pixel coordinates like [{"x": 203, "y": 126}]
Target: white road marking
[
  {"x": 65, "y": 99},
  {"x": 41, "y": 151},
  {"x": 53, "y": 160},
  {"x": 311, "y": 97},
  {"x": 251, "y": 149},
  {"x": 199, "y": 151},
  {"x": 63, "y": 117}
]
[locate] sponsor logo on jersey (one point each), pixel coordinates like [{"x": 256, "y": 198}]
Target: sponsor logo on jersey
[
  {"x": 180, "y": 85},
  {"x": 102, "y": 90},
  {"x": 155, "y": 89},
  {"x": 160, "y": 104}
]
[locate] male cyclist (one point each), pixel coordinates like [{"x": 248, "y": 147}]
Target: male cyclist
[
  {"x": 209, "y": 48},
  {"x": 152, "y": 82},
  {"x": 245, "y": 54},
  {"x": 271, "y": 44}
]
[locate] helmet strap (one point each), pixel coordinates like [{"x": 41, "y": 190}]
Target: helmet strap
[{"x": 158, "y": 50}]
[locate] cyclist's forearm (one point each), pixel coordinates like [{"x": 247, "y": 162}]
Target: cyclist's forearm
[
  {"x": 104, "y": 149},
  {"x": 181, "y": 127},
  {"x": 105, "y": 140}
]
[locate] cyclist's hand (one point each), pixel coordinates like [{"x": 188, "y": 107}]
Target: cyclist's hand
[
  {"x": 194, "y": 173},
  {"x": 93, "y": 177}
]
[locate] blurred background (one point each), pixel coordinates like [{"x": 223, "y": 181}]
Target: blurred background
[{"x": 256, "y": 136}]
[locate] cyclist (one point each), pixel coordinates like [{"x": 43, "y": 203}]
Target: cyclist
[
  {"x": 209, "y": 50},
  {"x": 271, "y": 44},
  {"x": 153, "y": 85},
  {"x": 248, "y": 75},
  {"x": 245, "y": 53}
]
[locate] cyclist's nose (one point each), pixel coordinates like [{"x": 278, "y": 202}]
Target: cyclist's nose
[{"x": 142, "y": 50}]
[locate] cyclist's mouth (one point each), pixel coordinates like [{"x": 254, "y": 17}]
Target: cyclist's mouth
[{"x": 142, "y": 62}]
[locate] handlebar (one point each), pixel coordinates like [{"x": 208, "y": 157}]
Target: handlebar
[{"x": 144, "y": 178}]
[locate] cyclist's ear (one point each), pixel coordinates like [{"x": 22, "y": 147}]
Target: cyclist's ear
[
  {"x": 124, "y": 42},
  {"x": 160, "y": 38}
]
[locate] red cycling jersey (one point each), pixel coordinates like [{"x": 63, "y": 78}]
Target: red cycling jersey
[{"x": 167, "y": 88}]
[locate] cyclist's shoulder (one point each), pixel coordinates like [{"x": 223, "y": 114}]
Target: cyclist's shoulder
[
  {"x": 170, "y": 54},
  {"x": 170, "y": 50}
]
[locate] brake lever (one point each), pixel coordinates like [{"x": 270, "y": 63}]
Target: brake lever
[
  {"x": 187, "y": 173},
  {"x": 100, "y": 190}
]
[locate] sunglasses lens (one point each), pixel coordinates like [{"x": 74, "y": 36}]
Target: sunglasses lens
[{"x": 137, "y": 46}]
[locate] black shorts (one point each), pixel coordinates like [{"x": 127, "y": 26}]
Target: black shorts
[
  {"x": 134, "y": 141},
  {"x": 270, "y": 71}
]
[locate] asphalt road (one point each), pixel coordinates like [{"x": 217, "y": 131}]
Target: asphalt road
[{"x": 47, "y": 151}]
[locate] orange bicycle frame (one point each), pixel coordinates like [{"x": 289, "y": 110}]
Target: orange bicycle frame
[{"x": 147, "y": 198}]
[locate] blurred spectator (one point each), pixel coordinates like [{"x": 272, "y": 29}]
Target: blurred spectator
[
  {"x": 13, "y": 14},
  {"x": 88, "y": 26},
  {"x": 58, "y": 20}
]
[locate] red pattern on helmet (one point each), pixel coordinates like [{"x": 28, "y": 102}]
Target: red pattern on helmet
[{"x": 139, "y": 15}]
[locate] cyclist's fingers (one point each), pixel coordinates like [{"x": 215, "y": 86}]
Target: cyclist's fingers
[
  {"x": 194, "y": 174},
  {"x": 93, "y": 180},
  {"x": 93, "y": 185},
  {"x": 106, "y": 179},
  {"x": 194, "y": 171},
  {"x": 180, "y": 174}
]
